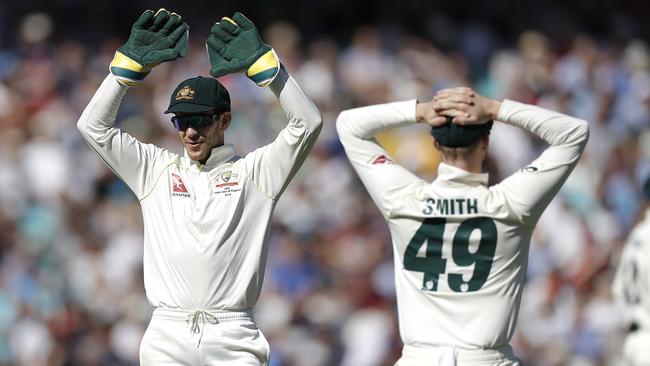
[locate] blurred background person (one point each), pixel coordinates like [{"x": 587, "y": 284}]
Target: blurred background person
[{"x": 632, "y": 288}]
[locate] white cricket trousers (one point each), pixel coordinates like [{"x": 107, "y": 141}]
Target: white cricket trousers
[
  {"x": 636, "y": 348},
  {"x": 202, "y": 338},
  {"x": 450, "y": 356}
]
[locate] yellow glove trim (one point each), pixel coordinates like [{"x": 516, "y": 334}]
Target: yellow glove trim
[
  {"x": 127, "y": 71},
  {"x": 265, "y": 69}
]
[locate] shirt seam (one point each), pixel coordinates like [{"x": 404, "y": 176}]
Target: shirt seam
[{"x": 156, "y": 182}]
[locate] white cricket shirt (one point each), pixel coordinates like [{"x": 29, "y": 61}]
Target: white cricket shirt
[
  {"x": 205, "y": 226},
  {"x": 631, "y": 286},
  {"x": 460, "y": 247}
]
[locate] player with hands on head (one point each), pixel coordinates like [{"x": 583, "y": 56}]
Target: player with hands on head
[
  {"x": 631, "y": 288},
  {"x": 207, "y": 212},
  {"x": 460, "y": 247}
]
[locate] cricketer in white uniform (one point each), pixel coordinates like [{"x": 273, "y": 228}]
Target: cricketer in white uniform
[
  {"x": 631, "y": 289},
  {"x": 207, "y": 214},
  {"x": 460, "y": 247}
]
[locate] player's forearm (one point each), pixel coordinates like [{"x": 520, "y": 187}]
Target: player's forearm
[
  {"x": 121, "y": 152},
  {"x": 274, "y": 165},
  {"x": 553, "y": 127},
  {"x": 98, "y": 118},
  {"x": 366, "y": 122},
  {"x": 304, "y": 117}
]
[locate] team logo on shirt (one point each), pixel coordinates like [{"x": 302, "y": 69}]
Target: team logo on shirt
[
  {"x": 227, "y": 183},
  {"x": 178, "y": 187},
  {"x": 225, "y": 177},
  {"x": 381, "y": 159}
]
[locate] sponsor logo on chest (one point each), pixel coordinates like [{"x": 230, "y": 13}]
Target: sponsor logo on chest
[
  {"x": 227, "y": 183},
  {"x": 178, "y": 187}
]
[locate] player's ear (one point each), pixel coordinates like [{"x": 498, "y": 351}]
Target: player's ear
[
  {"x": 224, "y": 120},
  {"x": 436, "y": 144},
  {"x": 485, "y": 142}
]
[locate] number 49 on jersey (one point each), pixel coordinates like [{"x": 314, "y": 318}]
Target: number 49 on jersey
[{"x": 432, "y": 265}]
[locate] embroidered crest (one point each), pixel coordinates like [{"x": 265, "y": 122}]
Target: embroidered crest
[{"x": 185, "y": 93}]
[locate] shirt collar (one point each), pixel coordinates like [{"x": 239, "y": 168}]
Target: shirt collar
[
  {"x": 218, "y": 155},
  {"x": 448, "y": 173}
]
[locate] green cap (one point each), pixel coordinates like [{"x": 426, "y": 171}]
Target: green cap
[
  {"x": 453, "y": 135},
  {"x": 199, "y": 94}
]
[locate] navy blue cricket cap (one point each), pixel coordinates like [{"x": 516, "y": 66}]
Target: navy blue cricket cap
[
  {"x": 454, "y": 135},
  {"x": 198, "y": 95}
]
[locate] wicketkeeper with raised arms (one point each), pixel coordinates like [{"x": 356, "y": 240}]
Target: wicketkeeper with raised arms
[
  {"x": 460, "y": 247},
  {"x": 207, "y": 213}
]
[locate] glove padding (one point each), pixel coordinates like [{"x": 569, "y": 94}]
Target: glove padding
[
  {"x": 155, "y": 38},
  {"x": 235, "y": 45}
]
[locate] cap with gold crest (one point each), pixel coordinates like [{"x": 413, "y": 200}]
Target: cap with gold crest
[{"x": 199, "y": 94}]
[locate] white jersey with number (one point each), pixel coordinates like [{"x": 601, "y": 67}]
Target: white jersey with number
[
  {"x": 205, "y": 226},
  {"x": 460, "y": 247},
  {"x": 632, "y": 281}
]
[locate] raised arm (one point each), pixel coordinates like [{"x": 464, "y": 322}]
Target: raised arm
[
  {"x": 235, "y": 46},
  {"x": 528, "y": 191},
  {"x": 531, "y": 189},
  {"x": 155, "y": 38},
  {"x": 380, "y": 174},
  {"x": 128, "y": 158},
  {"x": 274, "y": 165}
]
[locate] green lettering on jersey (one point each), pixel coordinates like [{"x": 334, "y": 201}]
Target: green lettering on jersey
[
  {"x": 442, "y": 206},
  {"x": 481, "y": 259},
  {"x": 433, "y": 265},
  {"x": 472, "y": 206},
  {"x": 460, "y": 202}
]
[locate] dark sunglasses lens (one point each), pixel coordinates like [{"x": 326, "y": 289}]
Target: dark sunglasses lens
[
  {"x": 180, "y": 123},
  {"x": 197, "y": 120}
]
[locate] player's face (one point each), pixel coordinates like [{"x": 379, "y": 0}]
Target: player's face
[{"x": 201, "y": 135}]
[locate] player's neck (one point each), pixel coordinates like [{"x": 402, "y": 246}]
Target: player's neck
[{"x": 470, "y": 166}]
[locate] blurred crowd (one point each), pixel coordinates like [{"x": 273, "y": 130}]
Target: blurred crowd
[{"x": 71, "y": 287}]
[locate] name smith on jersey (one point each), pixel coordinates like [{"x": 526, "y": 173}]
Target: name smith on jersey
[{"x": 451, "y": 206}]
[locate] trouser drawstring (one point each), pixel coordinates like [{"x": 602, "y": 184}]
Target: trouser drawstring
[{"x": 200, "y": 316}]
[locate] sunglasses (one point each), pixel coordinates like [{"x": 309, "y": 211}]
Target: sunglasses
[{"x": 181, "y": 123}]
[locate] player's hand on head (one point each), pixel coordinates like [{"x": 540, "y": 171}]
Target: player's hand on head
[
  {"x": 155, "y": 38},
  {"x": 235, "y": 45},
  {"x": 465, "y": 106},
  {"x": 426, "y": 113}
]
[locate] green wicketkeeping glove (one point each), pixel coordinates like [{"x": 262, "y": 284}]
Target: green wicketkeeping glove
[
  {"x": 235, "y": 45},
  {"x": 155, "y": 38}
]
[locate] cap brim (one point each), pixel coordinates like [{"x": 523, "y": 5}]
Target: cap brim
[{"x": 189, "y": 108}]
